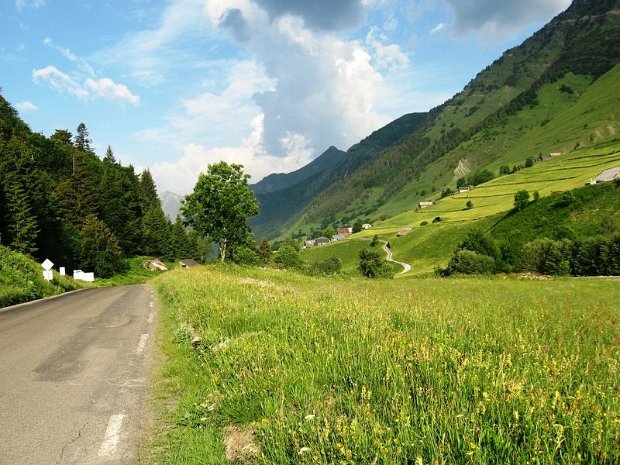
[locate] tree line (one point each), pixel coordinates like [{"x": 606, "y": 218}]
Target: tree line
[{"x": 59, "y": 200}]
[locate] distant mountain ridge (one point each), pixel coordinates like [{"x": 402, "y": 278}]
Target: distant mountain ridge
[
  {"x": 278, "y": 207},
  {"x": 372, "y": 180},
  {"x": 171, "y": 203},
  {"x": 278, "y": 181}
]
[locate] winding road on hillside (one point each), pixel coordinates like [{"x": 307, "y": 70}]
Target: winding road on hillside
[
  {"x": 73, "y": 377},
  {"x": 388, "y": 252}
]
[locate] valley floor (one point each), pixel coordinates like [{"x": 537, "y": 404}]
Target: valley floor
[{"x": 267, "y": 366}]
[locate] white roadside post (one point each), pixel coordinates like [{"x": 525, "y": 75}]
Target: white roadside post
[
  {"x": 47, "y": 267},
  {"x": 62, "y": 271}
]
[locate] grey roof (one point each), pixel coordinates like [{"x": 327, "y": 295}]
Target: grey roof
[{"x": 608, "y": 175}]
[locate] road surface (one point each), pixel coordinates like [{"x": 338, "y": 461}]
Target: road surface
[
  {"x": 73, "y": 377},
  {"x": 406, "y": 266}
]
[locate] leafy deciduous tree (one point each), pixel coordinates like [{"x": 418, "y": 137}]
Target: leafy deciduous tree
[{"x": 220, "y": 205}]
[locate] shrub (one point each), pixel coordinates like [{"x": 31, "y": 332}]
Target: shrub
[
  {"x": 424, "y": 223},
  {"x": 469, "y": 205},
  {"x": 437, "y": 219},
  {"x": 469, "y": 262},
  {"x": 245, "y": 255},
  {"x": 546, "y": 256},
  {"x": 331, "y": 265},
  {"x": 372, "y": 265},
  {"x": 288, "y": 257},
  {"x": 521, "y": 200}
]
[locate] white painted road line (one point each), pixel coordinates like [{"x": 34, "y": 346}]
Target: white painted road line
[
  {"x": 142, "y": 343},
  {"x": 112, "y": 436}
]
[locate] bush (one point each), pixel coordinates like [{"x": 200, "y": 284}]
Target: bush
[
  {"x": 469, "y": 205},
  {"x": 468, "y": 262},
  {"x": 476, "y": 241},
  {"x": 521, "y": 200},
  {"x": 288, "y": 257},
  {"x": 372, "y": 265},
  {"x": 331, "y": 265},
  {"x": 546, "y": 256},
  {"x": 244, "y": 255}
]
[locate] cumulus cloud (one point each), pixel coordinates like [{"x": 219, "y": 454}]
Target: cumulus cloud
[
  {"x": 326, "y": 15},
  {"x": 26, "y": 107},
  {"x": 60, "y": 81},
  {"x": 324, "y": 86},
  {"x": 109, "y": 90},
  {"x": 497, "y": 20},
  {"x": 180, "y": 176},
  {"x": 83, "y": 83}
]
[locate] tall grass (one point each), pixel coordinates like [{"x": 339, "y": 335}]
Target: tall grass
[{"x": 391, "y": 372}]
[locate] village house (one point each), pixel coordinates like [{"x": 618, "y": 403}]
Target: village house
[
  {"x": 338, "y": 237},
  {"x": 344, "y": 231},
  {"x": 426, "y": 204},
  {"x": 366, "y": 226},
  {"x": 463, "y": 189},
  {"x": 322, "y": 241},
  {"x": 188, "y": 263},
  {"x": 310, "y": 243}
]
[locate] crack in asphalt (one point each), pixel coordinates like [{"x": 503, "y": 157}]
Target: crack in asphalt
[{"x": 79, "y": 435}]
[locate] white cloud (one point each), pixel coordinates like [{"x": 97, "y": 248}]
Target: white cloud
[
  {"x": 493, "y": 20},
  {"x": 83, "y": 83},
  {"x": 109, "y": 90},
  {"x": 21, "y": 4},
  {"x": 26, "y": 107},
  {"x": 60, "y": 81},
  {"x": 69, "y": 55},
  {"x": 151, "y": 54},
  {"x": 438, "y": 28}
]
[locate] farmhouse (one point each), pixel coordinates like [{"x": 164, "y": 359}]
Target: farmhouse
[
  {"x": 465, "y": 189},
  {"x": 426, "y": 204},
  {"x": 322, "y": 241},
  {"x": 608, "y": 175},
  {"x": 338, "y": 237},
  {"x": 310, "y": 243},
  {"x": 188, "y": 263},
  {"x": 344, "y": 231}
]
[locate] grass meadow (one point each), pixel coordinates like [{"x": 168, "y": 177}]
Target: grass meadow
[{"x": 272, "y": 367}]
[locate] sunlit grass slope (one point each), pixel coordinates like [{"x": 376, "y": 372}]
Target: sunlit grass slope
[
  {"x": 307, "y": 370},
  {"x": 431, "y": 245}
]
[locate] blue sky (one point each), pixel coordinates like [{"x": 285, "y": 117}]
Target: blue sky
[{"x": 175, "y": 85}]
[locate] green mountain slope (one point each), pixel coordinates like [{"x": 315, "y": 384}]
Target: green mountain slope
[
  {"x": 534, "y": 100},
  {"x": 279, "y": 181},
  {"x": 280, "y": 205}
]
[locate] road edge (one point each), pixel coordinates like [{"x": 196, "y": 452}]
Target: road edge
[{"x": 30, "y": 302}]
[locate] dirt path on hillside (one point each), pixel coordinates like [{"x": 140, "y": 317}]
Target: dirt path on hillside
[{"x": 388, "y": 252}]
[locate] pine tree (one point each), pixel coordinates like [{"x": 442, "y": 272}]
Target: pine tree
[
  {"x": 81, "y": 141},
  {"x": 22, "y": 224},
  {"x": 109, "y": 156}
]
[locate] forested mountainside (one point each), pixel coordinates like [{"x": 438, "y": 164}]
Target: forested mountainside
[
  {"x": 527, "y": 90},
  {"x": 282, "y": 202},
  {"x": 59, "y": 200}
]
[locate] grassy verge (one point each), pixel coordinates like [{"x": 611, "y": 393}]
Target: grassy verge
[{"x": 271, "y": 367}]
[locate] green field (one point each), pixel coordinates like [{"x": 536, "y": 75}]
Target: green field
[
  {"x": 427, "y": 247},
  {"x": 273, "y": 367}
]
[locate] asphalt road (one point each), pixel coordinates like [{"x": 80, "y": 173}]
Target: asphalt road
[{"x": 73, "y": 377}]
